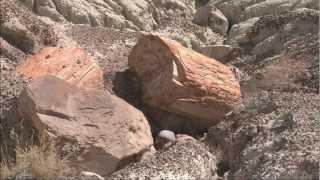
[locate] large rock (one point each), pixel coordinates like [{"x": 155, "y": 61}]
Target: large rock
[
  {"x": 187, "y": 159},
  {"x": 182, "y": 81},
  {"x": 106, "y": 130},
  {"x": 211, "y": 16},
  {"x": 70, "y": 64}
]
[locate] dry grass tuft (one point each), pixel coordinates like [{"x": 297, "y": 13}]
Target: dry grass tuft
[{"x": 40, "y": 161}]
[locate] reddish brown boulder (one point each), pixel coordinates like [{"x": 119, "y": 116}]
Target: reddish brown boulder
[
  {"x": 182, "y": 81},
  {"x": 106, "y": 130},
  {"x": 70, "y": 64}
]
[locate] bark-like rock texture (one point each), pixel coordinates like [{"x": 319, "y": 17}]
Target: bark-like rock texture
[
  {"x": 70, "y": 64},
  {"x": 183, "y": 81},
  {"x": 107, "y": 131}
]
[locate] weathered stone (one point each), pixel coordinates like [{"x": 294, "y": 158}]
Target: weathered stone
[
  {"x": 70, "y": 64},
  {"x": 10, "y": 51},
  {"x": 284, "y": 43},
  {"x": 18, "y": 35},
  {"x": 183, "y": 81},
  {"x": 90, "y": 175},
  {"x": 106, "y": 130},
  {"x": 240, "y": 10},
  {"x": 135, "y": 14},
  {"x": 165, "y": 138},
  {"x": 211, "y": 16},
  {"x": 222, "y": 53},
  {"x": 166, "y": 134},
  {"x": 186, "y": 159}
]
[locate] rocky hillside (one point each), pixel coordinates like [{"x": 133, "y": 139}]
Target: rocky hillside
[{"x": 160, "y": 89}]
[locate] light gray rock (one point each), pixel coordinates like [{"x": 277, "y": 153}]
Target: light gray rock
[
  {"x": 211, "y": 16},
  {"x": 135, "y": 14},
  {"x": 90, "y": 175},
  {"x": 165, "y": 139},
  {"x": 46, "y": 8},
  {"x": 222, "y": 53},
  {"x": 240, "y": 10},
  {"x": 120, "y": 14},
  {"x": 167, "y": 134}
]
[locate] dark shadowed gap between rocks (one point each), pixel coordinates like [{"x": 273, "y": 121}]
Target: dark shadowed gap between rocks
[{"x": 127, "y": 86}]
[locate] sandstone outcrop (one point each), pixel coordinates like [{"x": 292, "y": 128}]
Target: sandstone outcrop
[
  {"x": 182, "y": 81},
  {"x": 70, "y": 64},
  {"x": 106, "y": 130}
]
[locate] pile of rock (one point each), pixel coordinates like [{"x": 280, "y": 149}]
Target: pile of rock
[
  {"x": 120, "y": 107},
  {"x": 66, "y": 100}
]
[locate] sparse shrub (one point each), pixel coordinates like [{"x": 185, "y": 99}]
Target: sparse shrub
[{"x": 40, "y": 161}]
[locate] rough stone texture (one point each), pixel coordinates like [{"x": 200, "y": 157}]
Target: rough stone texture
[
  {"x": 222, "y": 53},
  {"x": 276, "y": 136},
  {"x": 211, "y": 16},
  {"x": 9, "y": 51},
  {"x": 240, "y": 10},
  {"x": 187, "y": 159},
  {"x": 287, "y": 43},
  {"x": 23, "y": 29},
  {"x": 147, "y": 15},
  {"x": 70, "y": 64},
  {"x": 182, "y": 81},
  {"x": 132, "y": 14},
  {"x": 94, "y": 121},
  {"x": 259, "y": 61}
]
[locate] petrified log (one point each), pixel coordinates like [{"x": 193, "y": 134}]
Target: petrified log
[
  {"x": 70, "y": 64},
  {"x": 182, "y": 81}
]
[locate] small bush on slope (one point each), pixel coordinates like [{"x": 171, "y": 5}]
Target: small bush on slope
[{"x": 40, "y": 161}]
